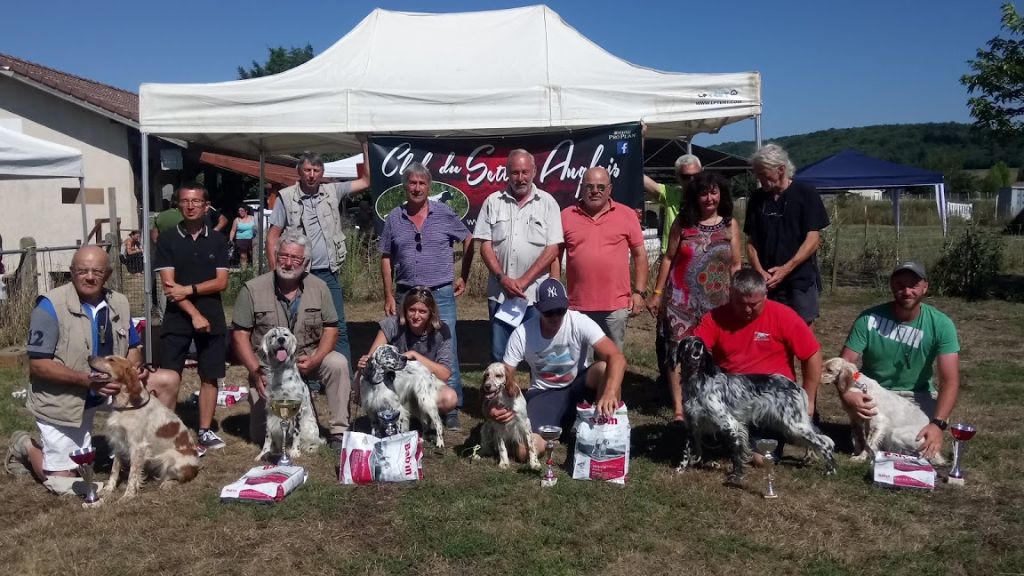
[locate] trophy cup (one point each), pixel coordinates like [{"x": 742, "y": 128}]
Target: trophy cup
[
  {"x": 550, "y": 434},
  {"x": 84, "y": 458},
  {"x": 388, "y": 421},
  {"x": 961, "y": 434},
  {"x": 765, "y": 447},
  {"x": 286, "y": 409}
]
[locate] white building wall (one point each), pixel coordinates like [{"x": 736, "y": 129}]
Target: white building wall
[{"x": 34, "y": 207}]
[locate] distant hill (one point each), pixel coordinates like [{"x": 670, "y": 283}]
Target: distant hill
[{"x": 930, "y": 146}]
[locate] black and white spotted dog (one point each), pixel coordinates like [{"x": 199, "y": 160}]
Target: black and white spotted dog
[
  {"x": 284, "y": 382},
  {"x": 390, "y": 381},
  {"x": 716, "y": 402}
]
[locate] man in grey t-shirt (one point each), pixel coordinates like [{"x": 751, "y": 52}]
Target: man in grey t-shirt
[{"x": 313, "y": 208}]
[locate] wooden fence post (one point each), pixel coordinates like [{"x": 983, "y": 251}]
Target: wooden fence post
[{"x": 26, "y": 280}]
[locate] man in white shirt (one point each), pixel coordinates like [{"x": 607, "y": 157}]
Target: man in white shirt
[
  {"x": 554, "y": 345},
  {"x": 519, "y": 230}
]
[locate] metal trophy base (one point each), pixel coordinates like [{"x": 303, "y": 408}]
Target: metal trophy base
[{"x": 954, "y": 481}]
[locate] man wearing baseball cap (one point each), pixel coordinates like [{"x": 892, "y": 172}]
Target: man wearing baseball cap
[
  {"x": 554, "y": 345},
  {"x": 901, "y": 344}
]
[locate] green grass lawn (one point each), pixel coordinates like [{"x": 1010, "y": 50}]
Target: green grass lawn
[{"x": 468, "y": 517}]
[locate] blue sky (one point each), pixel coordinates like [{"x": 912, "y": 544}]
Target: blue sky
[{"x": 824, "y": 64}]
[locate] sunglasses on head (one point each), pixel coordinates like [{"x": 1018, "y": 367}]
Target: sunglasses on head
[{"x": 553, "y": 313}]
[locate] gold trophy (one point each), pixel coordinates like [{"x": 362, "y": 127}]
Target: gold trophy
[{"x": 286, "y": 409}]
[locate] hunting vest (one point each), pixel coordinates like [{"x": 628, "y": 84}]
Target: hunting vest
[
  {"x": 269, "y": 312},
  {"x": 328, "y": 213},
  {"x": 63, "y": 404}
]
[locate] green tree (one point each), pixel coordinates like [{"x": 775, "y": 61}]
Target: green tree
[
  {"x": 996, "y": 85},
  {"x": 279, "y": 60},
  {"x": 999, "y": 176}
]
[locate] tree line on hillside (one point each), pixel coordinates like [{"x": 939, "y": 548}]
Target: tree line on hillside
[{"x": 933, "y": 146}]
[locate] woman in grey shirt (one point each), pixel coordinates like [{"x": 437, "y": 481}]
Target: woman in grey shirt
[{"x": 420, "y": 335}]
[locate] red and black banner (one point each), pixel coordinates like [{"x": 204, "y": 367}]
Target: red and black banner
[{"x": 467, "y": 170}]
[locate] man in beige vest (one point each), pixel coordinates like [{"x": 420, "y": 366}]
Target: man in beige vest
[
  {"x": 301, "y": 302},
  {"x": 69, "y": 324},
  {"x": 313, "y": 208}
]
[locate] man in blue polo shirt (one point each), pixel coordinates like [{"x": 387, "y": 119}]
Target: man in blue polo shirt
[
  {"x": 418, "y": 239},
  {"x": 68, "y": 324}
]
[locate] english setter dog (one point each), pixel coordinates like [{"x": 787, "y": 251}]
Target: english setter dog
[
  {"x": 730, "y": 403},
  {"x": 498, "y": 391},
  {"x": 390, "y": 381},
  {"x": 144, "y": 433},
  {"x": 284, "y": 382},
  {"x": 895, "y": 425}
]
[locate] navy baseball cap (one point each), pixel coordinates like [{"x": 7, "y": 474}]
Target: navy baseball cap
[
  {"x": 551, "y": 296},
  {"x": 914, "y": 267}
]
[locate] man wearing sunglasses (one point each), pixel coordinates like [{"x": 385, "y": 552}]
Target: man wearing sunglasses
[
  {"x": 555, "y": 346},
  {"x": 417, "y": 240},
  {"x": 783, "y": 227}
]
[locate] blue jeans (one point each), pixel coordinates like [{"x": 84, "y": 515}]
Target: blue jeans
[
  {"x": 501, "y": 332},
  {"x": 341, "y": 346},
  {"x": 445, "y": 298}
]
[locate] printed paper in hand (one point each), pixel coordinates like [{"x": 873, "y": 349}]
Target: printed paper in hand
[{"x": 512, "y": 311}]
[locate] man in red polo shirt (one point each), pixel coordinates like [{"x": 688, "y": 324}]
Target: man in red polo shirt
[
  {"x": 600, "y": 235},
  {"x": 753, "y": 335}
]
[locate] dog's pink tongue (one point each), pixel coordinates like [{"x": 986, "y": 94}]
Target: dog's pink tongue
[{"x": 282, "y": 355}]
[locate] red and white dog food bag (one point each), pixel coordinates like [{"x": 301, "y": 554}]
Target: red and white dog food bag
[
  {"x": 602, "y": 445},
  {"x": 366, "y": 459},
  {"x": 265, "y": 484},
  {"x": 894, "y": 470}
]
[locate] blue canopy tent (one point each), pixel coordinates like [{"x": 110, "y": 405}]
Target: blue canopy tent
[{"x": 850, "y": 170}]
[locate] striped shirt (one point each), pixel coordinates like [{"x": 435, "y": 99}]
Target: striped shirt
[{"x": 422, "y": 257}]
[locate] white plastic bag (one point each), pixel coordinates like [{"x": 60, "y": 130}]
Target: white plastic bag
[
  {"x": 893, "y": 470},
  {"x": 366, "y": 459},
  {"x": 602, "y": 445}
]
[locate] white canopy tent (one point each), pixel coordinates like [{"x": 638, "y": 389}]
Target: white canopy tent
[
  {"x": 494, "y": 72},
  {"x": 501, "y": 71},
  {"x": 23, "y": 157},
  {"x": 346, "y": 168}
]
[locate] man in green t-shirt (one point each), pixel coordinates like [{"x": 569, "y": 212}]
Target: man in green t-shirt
[
  {"x": 899, "y": 342},
  {"x": 671, "y": 197}
]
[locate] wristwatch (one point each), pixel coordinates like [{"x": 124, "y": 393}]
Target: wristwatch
[
  {"x": 942, "y": 424},
  {"x": 642, "y": 294},
  {"x": 195, "y": 290}
]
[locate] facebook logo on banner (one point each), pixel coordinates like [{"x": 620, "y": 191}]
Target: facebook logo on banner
[{"x": 622, "y": 147}]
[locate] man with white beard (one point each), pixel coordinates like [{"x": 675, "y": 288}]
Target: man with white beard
[{"x": 290, "y": 297}]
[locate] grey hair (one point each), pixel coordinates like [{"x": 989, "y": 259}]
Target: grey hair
[
  {"x": 311, "y": 158},
  {"x": 416, "y": 168},
  {"x": 687, "y": 160},
  {"x": 521, "y": 152},
  {"x": 747, "y": 281},
  {"x": 773, "y": 156},
  {"x": 293, "y": 237}
]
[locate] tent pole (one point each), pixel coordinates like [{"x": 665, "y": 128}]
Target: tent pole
[
  {"x": 147, "y": 249},
  {"x": 81, "y": 200},
  {"x": 896, "y": 217},
  {"x": 757, "y": 131},
  {"x": 940, "y": 203},
  {"x": 689, "y": 144},
  {"x": 259, "y": 226}
]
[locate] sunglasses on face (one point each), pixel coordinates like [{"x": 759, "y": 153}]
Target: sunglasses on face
[{"x": 554, "y": 313}]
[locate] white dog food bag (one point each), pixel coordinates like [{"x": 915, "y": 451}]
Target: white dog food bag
[
  {"x": 366, "y": 459},
  {"x": 894, "y": 470},
  {"x": 265, "y": 484},
  {"x": 602, "y": 445}
]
